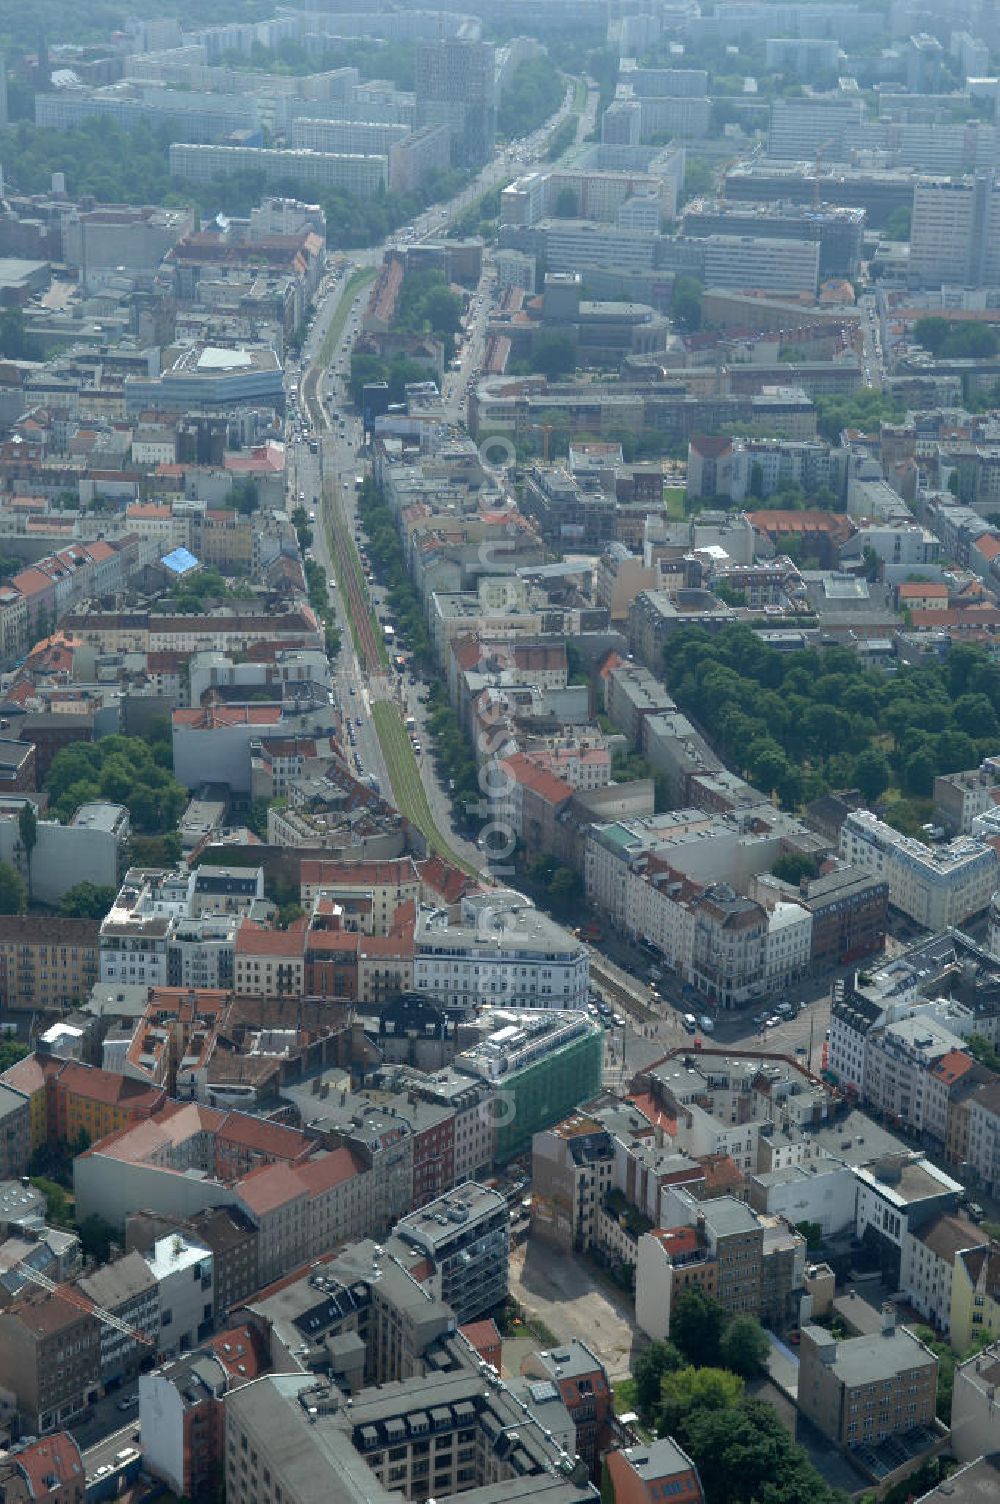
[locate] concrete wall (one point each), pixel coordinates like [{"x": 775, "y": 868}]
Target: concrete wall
[{"x": 111, "y": 1188}]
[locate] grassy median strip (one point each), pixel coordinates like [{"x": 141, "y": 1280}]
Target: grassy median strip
[
  {"x": 345, "y": 303},
  {"x": 407, "y": 787}
]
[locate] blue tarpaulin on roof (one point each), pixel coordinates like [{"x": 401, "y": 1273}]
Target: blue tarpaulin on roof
[{"x": 181, "y": 561}]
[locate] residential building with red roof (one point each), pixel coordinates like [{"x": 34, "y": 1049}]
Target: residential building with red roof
[
  {"x": 47, "y": 1471},
  {"x": 270, "y": 963},
  {"x": 381, "y": 886},
  {"x": 670, "y": 1260},
  {"x": 87, "y": 1103},
  {"x": 485, "y": 1338},
  {"x": 652, "y": 1471},
  {"x": 921, "y": 595}
]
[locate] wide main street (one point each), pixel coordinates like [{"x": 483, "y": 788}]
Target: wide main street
[{"x": 370, "y": 698}]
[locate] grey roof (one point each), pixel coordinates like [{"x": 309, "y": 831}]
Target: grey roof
[
  {"x": 658, "y": 1459},
  {"x": 856, "y": 1139},
  {"x": 570, "y": 1360},
  {"x": 976, "y": 1483},
  {"x": 197, "y": 1376},
  {"x": 20, "y": 1203},
  {"x": 440, "y": 1220},
  {"x": 880, "y": 1356},
  {"x": 113, "y": 1284},
  {"x": 725, "y": 1216},
  {"x": 11, "y": 1101}
]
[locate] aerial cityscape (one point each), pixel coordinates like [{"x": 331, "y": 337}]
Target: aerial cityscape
[{"x": 500, "y": 752}]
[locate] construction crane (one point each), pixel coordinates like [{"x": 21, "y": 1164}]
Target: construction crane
[
  {"x": 82, "y": 1304},
  {"x": 824, "y": 146}
]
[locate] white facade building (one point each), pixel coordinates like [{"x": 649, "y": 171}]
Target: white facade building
[
  {"x": 502, "y": 951},
  {"x": 183, "y": 1270},
  {"x": 937, "y": 886}
]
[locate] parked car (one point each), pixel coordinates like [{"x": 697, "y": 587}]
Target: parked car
[{"x": 689, "y": 1023}]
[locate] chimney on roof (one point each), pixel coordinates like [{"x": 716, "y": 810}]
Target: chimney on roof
[{"x": 888, "y": 1318}]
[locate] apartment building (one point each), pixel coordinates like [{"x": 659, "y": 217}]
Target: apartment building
[
  {"x": 182, "y": 1270},
  {"x": 800, "y": 127},
  {"x": 928, "y": 1263},
  {"x": 363, "y": 175},
  {"x": 48, "y": 1468},
  {"x": 227, "y": 1232},
  {"x": 357, "y": 137},
  {"x": 954, "y": 231},
  {"x": 128, "y": 1289},
  {"x": 959, "y": 798},
  {"x": 15, "y": 1133},
  {"x": 49, "y": 963},
  {"x": 975, "y": 1295},
  {"x": 466, "y": 1236},
  {"x": 983, "y": 1153},
  {"x": 370, "y": 892},
  {"x": 651, "y": 1471},
  {"x": 975, "y": 1406},
  {"x": 670, "y": 1260},
  {"x": 180, "y": 1415},
  {"x": 572, "y": 1170},
  {"x": 539, "y": 1066},
  {"x": 456, "y": 87},
  {"x": 900, "y": 1058},
  {"x": 937, "y": 886},
  {"x": 270, "y": 963},
  {"x": 864, "y": 1389},
  {"x": 720, "y": 1232},
  {"x": 759, "y": 262},
  {"x": 501, "y": 951},
  {"x": 581, "y": 1380},
  {"x": 899, "y": 1194},
  {"x": 50, "y": 1359},
  {"x": 440, "y": 1432}
]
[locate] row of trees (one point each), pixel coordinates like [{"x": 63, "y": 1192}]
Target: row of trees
[
  {"x": 802, "y": 723},
  {"x": 451, "y": 748},
  {"x": 385, "y": 551}
]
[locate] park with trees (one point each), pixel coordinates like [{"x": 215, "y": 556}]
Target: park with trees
[{"x": 803, "y": 723}]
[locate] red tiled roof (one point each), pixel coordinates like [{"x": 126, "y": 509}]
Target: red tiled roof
[
  {"x": 50, "y": 1464},
  {"x": 208, "y": 718},
  {"x": 240, "y": 1351},
  {"x": 254, "y": 940},
  {"x": 914, "y": 591},
  {"x": 324, "y": 1171},
  {"x": 106, "y": 1086},
  {"x": 677, "y": 1241},
  {"x": 952, "y": 1067},
  {"x": 263, "y": 1137},
  {"x": 443, "y": 878},
  {"x": 483, "y": 1335},
  {"x": 270, "y": 1186},
  {"x": 541, "y": 782},
  {"x": 392, "y": 873}
]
